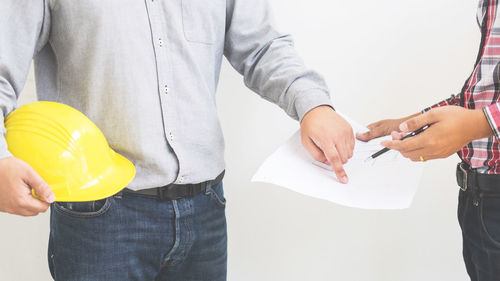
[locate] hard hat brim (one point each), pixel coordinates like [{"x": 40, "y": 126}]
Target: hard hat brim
[{"x": 116, "y": 178}]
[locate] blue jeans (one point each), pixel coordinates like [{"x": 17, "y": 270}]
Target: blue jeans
[
  {"x": 479, "y": 218},
  {"x": 135, "y": 237}
]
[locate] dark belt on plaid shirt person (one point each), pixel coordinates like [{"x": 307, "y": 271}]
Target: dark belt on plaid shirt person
[
  {"x": 177, "y": 191},
  {"x": 469, "y": 179}
]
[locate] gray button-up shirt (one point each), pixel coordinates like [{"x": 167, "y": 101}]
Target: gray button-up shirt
[{"x": 146, "y": 72}]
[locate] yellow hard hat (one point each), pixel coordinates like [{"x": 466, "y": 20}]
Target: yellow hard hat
[{"x": 68, "y": 151}]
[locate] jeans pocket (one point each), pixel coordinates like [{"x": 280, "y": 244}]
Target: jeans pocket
[
  {"x": 216, "y": 192},
  {"x": 203, "y": 21},
  {"x": 87, "y": 209},
  {"x": 490, "y": 218}
]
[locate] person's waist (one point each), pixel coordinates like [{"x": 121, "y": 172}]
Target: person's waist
[
  {"x": 485, "y": 162},
  {"x": 176, "y": 191},
  {"x": 469, "y": 179}
]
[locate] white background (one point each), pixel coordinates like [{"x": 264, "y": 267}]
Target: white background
[{"x": 382, "y": 59}]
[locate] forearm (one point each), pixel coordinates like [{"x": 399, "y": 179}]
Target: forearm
[{"x": 268, "y": 60}]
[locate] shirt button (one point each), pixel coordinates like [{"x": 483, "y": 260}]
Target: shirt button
[
  {"x": 160, "y": 42},
  {"x": 171, "y": 136},
  {"x": 181, "y": 180},
  {"x": 166, "y": 89}
]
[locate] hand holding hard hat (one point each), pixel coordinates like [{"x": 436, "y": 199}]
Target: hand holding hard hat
[
  {"x": 17, "y": 179},
  {"x": 68, "y": 151}
]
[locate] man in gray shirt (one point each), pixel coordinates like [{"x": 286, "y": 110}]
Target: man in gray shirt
[{"x": 146, "y": 73}]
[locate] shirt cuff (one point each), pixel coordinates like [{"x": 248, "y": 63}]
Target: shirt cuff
[
  {"x": 310, "y": 99},
  {"x": 492, "y": 113},
  {"x": 453, "y": 100},
  {"x": 4, "y": 152}
]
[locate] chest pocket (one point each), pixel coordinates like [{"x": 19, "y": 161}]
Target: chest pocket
[{"x": 203, "y": 20}]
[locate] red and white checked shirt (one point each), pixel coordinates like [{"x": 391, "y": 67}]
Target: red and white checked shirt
[{"x": 482, "y": 91}]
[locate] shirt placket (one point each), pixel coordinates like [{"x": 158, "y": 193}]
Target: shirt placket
[{"x": 160, "y": 45}]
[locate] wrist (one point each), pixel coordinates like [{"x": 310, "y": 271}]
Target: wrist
[
  {"x": 480, "y": 127},
  {"x": 313, "y": 111}
]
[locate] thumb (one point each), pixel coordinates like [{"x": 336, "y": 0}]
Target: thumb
[
  {"x": 415, "y": 123},
  {"x": 41, "y": 188},
  {"x": 397, "y": 135}
]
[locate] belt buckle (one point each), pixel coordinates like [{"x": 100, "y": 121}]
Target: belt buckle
[{"x": 464, "y": 178}]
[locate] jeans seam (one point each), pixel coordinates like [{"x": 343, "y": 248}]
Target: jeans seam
[
  {"x": 189, "y": 230},
  {"x": 165, "y": 261},
  {"x": 75, "y": 214},
  {"x": 211, "y": 192},
  {"x": 483, "y": 226},
  {"x": 51, "y": 250}
]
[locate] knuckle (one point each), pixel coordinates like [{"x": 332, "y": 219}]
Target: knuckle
[
  {"x": 317, "y": 156},
  {"x": 304, "y": 142},
  {"x": 22, "y": 204},
  {"x": 333, "y": 157},
  {"x": 344, "y": 158},
  {"x": 411, "y": 123},
  {"x": 27, "y": 214},
  {"x": 44, "y": 189},
  {"x": 337, "y": 167}
]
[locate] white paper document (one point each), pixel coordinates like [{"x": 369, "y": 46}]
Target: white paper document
[{"x": 388, "y": 182}]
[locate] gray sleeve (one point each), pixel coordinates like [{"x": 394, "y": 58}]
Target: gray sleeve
[
  {"x": 24, "y": 30},
  {"x": 268, "y": 60}
]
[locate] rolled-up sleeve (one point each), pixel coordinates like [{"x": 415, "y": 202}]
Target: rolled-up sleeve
[
  {"x": 24, "y": 29},
  {"x": 268, "y": 60}
]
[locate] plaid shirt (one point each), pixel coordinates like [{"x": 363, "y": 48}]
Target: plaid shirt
[{"x": 482, "y": 91}]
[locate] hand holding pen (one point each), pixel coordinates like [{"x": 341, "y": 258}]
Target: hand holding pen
[{"x": 412, "y": 134}]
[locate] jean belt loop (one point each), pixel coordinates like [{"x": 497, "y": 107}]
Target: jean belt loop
[
  {"x": 473, "y": 184},
  {"x": 465, "y": 177}
]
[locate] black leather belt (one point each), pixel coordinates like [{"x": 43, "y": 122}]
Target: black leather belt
[
  {"x": 468, "y": 179},
  {"x": 177, "y": 191}
]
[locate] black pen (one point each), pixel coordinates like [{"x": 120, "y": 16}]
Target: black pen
[{"x": 412, "y": 134}]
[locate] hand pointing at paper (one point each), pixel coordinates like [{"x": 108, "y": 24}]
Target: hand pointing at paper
[{"x": 328, "y": 138}]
